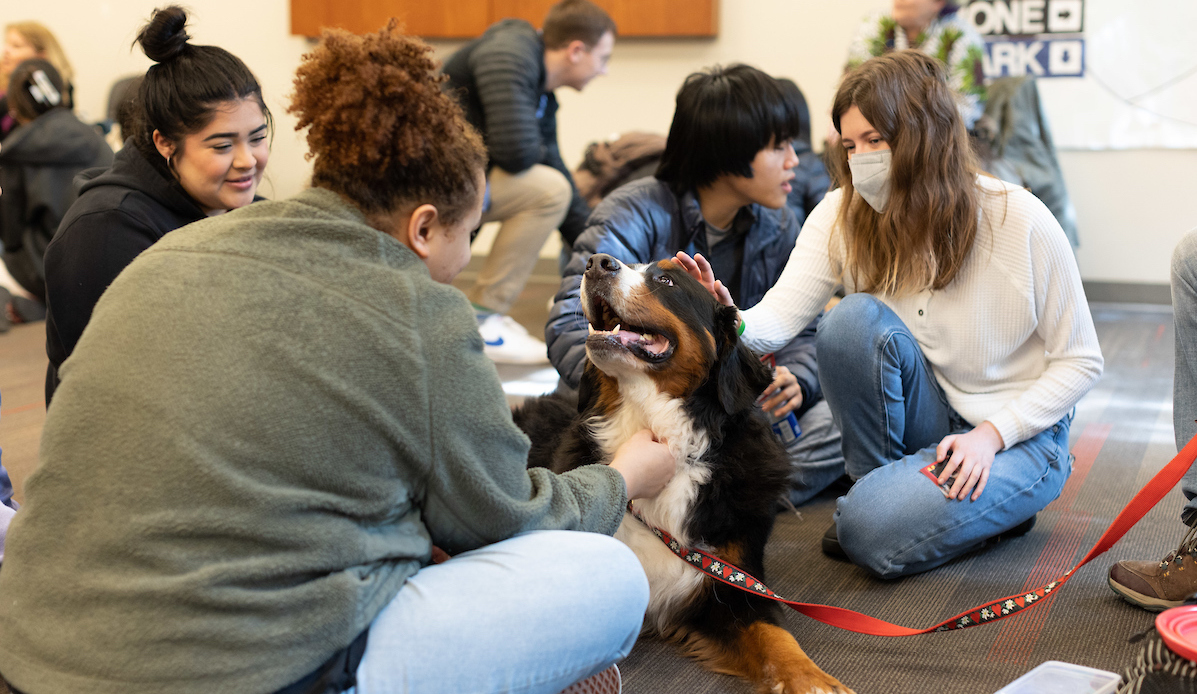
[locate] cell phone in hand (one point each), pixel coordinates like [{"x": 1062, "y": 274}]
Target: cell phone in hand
[{"x": 934, "y": 470}]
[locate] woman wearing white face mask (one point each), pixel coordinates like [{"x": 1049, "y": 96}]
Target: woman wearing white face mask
[
  {"x": 965, "y": 338},
  {"x": 198, "y": 149}
]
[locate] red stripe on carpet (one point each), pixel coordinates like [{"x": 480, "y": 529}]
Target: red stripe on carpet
[
  {"x": 22, "y": 408},
  {"x": 1017, "y": 636}
]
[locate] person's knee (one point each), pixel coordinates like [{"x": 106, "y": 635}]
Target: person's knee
[
  {"x": 868, "y": 535},
  {"x": 840, "y": 328},
  {"x": 613, "y": 565},
  {"x": 628, "y": 573},
  {"x": 555, "y": 189},
  {"x": 620, "y": 588},
  {"x": 1184, "y": 261}
]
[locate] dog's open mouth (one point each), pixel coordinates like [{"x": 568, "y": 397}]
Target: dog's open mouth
[{"x": 648, "y": 344}]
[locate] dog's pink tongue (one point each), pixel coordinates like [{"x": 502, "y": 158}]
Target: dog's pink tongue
[
  {"x": 655, "y": 344},
  {"x": 627, "y": 337}
]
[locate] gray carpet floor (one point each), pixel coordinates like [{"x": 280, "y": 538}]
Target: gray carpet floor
[{"x": 1122, "y": 435}]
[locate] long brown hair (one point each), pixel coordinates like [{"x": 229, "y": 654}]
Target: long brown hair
[
  {"x": 43, "y": 41},
  {"x": 923, "y": 237},
  {"x": 381, "y": 130}
]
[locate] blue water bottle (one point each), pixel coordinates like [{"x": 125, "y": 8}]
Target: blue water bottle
[{"x": 786, "y": 428}]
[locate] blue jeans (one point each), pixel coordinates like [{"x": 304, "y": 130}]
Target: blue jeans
[
  {"x": 535, "y": 613},
  {"x": 892, "y": 414},
  {"x": 1184, "y": 387},
  {"x": 8, "y": 507}
]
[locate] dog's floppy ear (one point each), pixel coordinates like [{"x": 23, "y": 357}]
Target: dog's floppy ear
[
  {"x": 588, "y": 387},
  {"x": 741, "y": 377}
]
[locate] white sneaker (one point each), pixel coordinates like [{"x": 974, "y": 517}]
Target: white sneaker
[{"x": 507, "y": 342}]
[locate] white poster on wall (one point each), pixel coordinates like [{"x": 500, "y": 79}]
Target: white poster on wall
[{"x": 1113, "y": 74}]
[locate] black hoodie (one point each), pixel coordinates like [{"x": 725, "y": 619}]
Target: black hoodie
[
  {"x": 37, "y": 164},
  {"x": 120, "y": 213}
]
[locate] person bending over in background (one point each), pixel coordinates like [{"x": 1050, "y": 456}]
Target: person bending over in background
[
  {"x": 38, "y": 162},
  {"x": 199, "y": 148},
  {"x": 721, "y": 191},
  {"x": 965, "y": 337},
  {"x": 22, "y": 41},
  {"x": 1158, "y": 585},
  {"x": 276, "y": 413},
  {"x": 505, "y": 81}
]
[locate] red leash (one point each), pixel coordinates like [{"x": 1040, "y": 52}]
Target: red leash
[{"x": 1143, "y": 501}]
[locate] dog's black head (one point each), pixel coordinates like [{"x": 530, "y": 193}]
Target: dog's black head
[{"x": 656, "y": 322}]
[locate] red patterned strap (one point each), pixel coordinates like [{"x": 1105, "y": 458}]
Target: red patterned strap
[{"x": 1143, "y": 501}]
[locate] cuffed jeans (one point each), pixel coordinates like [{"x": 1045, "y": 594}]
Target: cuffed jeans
[
  {"x": 532, "y": 614},
  {"x": 531, "y": 205},
  {"x": 1184, "y": 387},
  {"x": 892, "y": 414}
]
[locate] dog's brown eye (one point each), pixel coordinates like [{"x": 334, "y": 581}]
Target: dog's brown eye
[{"x": 665, "y": 280}]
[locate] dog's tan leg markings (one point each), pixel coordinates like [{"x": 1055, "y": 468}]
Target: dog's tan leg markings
[
  {"x": 769, "y": 657},
  {"x": 731, "y": 553},
  {"x": 608, "y": 393}
]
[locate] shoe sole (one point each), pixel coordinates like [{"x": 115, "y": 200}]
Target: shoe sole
[
  {"x": 516, "y": 360},
  {"x": 1139, "y": 600},
  {"x": 834, "y": 550}
]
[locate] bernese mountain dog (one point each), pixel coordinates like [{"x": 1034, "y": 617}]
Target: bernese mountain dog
[{"x": 664, "y": 355}]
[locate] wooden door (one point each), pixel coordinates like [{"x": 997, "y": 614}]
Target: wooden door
[{"x": 453, "y": 19}]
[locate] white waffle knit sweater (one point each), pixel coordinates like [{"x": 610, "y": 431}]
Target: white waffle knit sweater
[{"x": 1011, "y": 339}]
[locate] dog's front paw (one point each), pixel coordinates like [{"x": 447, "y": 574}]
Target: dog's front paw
[{"x": 810, "y": 681}]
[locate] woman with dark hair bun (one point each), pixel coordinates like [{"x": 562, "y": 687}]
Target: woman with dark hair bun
[
  {"x": 38, "y": 162},
  {"x": 274, "y": 416},
  {"x": 965, "y": 341},
  {"x": 199, "y": 145}
]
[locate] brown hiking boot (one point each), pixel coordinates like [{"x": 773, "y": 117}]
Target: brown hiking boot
[{"x": 1156, "y": 586}]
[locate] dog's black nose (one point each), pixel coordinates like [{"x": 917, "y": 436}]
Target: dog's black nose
[{"x": 601, "y": 264}]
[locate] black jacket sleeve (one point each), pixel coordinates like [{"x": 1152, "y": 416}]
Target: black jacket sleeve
[
  {"x": 576, "y": 215},
  {"x": 506, "y": 77},
  {"x": 81, "y": 262}
]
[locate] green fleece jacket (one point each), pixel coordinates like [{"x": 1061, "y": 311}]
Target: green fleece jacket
[{"x": 270, "y": 419}]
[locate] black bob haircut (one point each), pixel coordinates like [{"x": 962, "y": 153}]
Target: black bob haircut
[{"x": 724, "y": 117}]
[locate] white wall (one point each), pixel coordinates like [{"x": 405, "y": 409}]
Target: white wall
[{"x": 1132, "y": 206}]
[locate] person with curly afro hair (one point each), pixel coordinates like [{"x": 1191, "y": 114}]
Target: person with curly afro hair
[{"x": 276, "y": 413}]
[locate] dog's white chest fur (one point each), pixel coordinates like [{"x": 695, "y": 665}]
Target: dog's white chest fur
[{"x": 670, "y": 579}]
